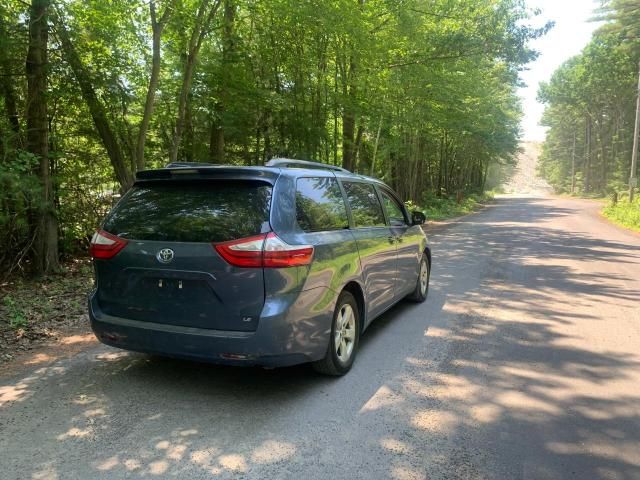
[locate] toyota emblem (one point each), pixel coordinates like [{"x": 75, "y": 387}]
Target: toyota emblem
[{"x": 165, "y": 255}]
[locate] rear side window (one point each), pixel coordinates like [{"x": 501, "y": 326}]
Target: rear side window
[
  {"x": 365, "y": 206},
  {"x": 319, "y": 205},
  {"x": 208, "y": 211}
]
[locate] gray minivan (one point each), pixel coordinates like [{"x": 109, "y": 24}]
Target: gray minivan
[{"x": 272, "y": 266}]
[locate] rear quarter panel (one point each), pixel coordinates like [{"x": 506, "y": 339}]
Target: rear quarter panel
[
  {"x": 335, "y": 259},
  {"x": 306, "y": 296}
]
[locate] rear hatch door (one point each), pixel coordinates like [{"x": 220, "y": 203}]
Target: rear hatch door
[{"x": 169, "y": 271}]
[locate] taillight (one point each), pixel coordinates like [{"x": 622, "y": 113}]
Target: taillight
[
  {"x": 246, "y": 252},
  {"x": 105, "y": 245},
  {"x": 266, "y": 250},
  {"x": 280, "y": 254}
]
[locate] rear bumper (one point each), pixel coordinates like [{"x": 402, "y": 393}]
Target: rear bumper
[{"x": 287, "y": 334}]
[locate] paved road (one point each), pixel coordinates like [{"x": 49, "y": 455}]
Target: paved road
[{"x": 523, "y": 364}]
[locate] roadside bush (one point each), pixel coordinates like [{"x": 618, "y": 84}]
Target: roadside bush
[
  {"x": 19, "y": 191},
  {"x": 441, "y": 208},
  {"x": 624, "y": 213}
]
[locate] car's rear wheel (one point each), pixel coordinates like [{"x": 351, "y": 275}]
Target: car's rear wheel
[
  {"x": 422, "y": 285},
  {"x": 345, "y": 335}
]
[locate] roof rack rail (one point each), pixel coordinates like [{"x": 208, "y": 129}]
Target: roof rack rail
[
  {"x": 188, "y": 165},
  {"x": 289, "y": 162}
]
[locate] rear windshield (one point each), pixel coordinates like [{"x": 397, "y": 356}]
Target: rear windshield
[{"x": 211, "y": 211}]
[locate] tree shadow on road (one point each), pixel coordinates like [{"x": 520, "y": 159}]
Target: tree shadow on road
[{"x": 518, "y": 398}]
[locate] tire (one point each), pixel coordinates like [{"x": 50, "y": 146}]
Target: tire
[
  {"x": 421, "y": 291},
  {"x": 344, "y": 339}
]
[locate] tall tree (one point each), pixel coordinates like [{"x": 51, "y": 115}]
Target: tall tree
[
  {"x": 204, "y": 17},
  {"x": 228, "y": 52},
  {"x": 45, "y": 246},
  {"x": 117, "y": 156},
  {"x": 157, "y": 26}
]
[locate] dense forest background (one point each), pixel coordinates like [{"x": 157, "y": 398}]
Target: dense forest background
[
  {"x": 421, "y": 93},
  {"x": 591, "y": 108}
]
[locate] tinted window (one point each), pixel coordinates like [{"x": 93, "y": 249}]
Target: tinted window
[
  {"x": 192, "y": 211},
  {"x": 365, "y": 206},
  {"x": 393, "y": 209},
  {"x": 319, "y": 205}
]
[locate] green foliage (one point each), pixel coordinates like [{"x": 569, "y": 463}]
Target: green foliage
[
  {"x": 15, "y": 313},
  {"x": 442, "y": 208},
  {"x": 55, "y": 301},
  {"x": 590, "y": 108},
  {"x": 420, "y": 93},
  {"x": 624, "y": 213},
  {"x": 86, "y": 193},
  {"x": 19, "y": 190},
  {"x": 411, "y": 205}
]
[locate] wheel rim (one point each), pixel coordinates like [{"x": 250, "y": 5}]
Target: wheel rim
[
  {"x": 424, "y": 277},
  {"x": 345, "y": 333}
]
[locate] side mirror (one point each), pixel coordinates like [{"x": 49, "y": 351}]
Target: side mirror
[{"x": 418, "y": 218}]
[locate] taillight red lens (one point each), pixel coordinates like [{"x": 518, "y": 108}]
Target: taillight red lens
[
  {"x": 266, "y": 250},
  {"x": 277, "y": 253},
  {"x": 245, "y": 252},
  {"x": 105, "y": 245}
]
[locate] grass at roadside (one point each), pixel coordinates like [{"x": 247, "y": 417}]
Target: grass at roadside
[
  {"x": 624, "y": 213},
  {"x": 443, "y": 208},
  {"x": 587, "y": 196}
]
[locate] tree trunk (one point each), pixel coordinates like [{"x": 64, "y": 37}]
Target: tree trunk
[
  {"x": 335, "y": 116},
  {"x": 256, "y": 156},
  {"x": 217, "y": 149},
  {"x": 45, "y": 246},
  {"x": 441, "y": 164},
  {"x": 349, "y": 109},
  {"x": 216, "y": 143},
  {"x": 587, "y": 157},
  {"x": 633, "y": 179},
  {"x": 97, "y": 110},
  {"x": 348, "y": 137},
  {"x": 484, "y": 172},
  {"x": 603, "y": 158},
  {"x": 356, "y": 148},
  {"x": 182, "y": 107},
  {"x": 573, "y": 164},
  {"x": 375, "y": 148},
  {"x": 157, "y": 26},
  {"x": 188, "y": 146},
  {"x": 204, "y": 17},
  {"x": 348, "y": 75}
]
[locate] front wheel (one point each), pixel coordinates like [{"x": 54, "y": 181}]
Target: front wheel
[
  {"x": 345, "y": 335},
  {"x": 422, "y": 285}
]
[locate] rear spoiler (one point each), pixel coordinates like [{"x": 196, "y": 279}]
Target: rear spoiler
[
  {"x": 188, "y": 165},
  {"x": 203, "y": 171}
]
